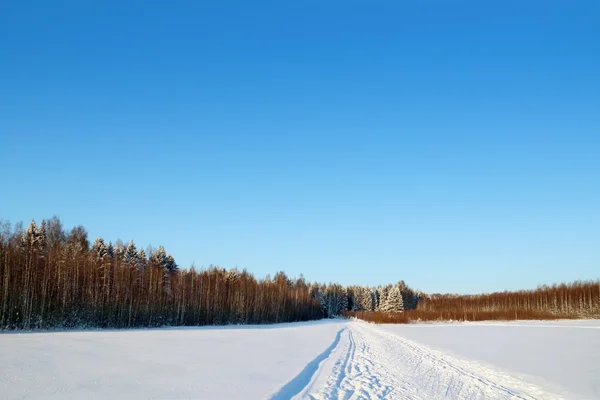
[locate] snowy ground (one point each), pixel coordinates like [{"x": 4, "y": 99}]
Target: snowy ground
[
  {"x": 319, "y": 360},
  {"x": 563, "y": 356}
]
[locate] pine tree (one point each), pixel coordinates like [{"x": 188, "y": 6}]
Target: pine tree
[
  {"x": 131, "y": 254},
  {"x": 368, "y": 299},
  {"x": 99, "y": 248},
  {"x": 383, "y": 299},
  {"x": 170, "y": 265},
  {"x": 42, "y": 241},
  {"x": 110, "y": 250},
  {"x": 345, "y": 300},
  {"x": 356, "y": 299},
  {"x": 30, "y": 237},
  {"x": 142, "y": 261},
  {"x": 394, "y": 300},
  {"x": 409, "y": 298}
]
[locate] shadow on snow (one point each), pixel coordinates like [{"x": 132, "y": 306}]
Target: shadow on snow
[{"x": 302, "y": 380}]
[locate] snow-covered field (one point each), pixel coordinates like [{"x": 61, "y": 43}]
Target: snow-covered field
[
  {"x": 320, "y": 360},
  {"x": 563, "y": 356}
]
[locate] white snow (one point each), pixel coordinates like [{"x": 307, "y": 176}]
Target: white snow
[
  {"x": 374, "y": 363},
  {"x": 563, "y": 356},
  {"x": 237, "y": 362},
  {"x": 332, "y": 359}
]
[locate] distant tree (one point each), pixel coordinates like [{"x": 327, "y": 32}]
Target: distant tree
[
  {"x": 110, "y": 250},
  {"x": 368, "y": 299},
  {"x": 383, "y": 298},
  {"x": 119, "y": 249},
  {"x": 345, "y": 300},
  {"x": 159, "y": 257},
  {"x": 142, "y": 260},
  {"x": 409, "y": 297},
  {"x": 131, "y": 254},
  {"x": 42, "y": 236},
  {"x": 52, "y": 279},
  {"x": 170, "y": 265},
  {"x": 78, "y": 240},
  {"x": 54, "y": 232},
  {"x": 99, "y": 250},
  {"x": 29, "y": 240},
  {"x": 394, "y": 301}
]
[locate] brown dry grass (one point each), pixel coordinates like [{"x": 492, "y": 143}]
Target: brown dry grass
[{"x": 418, "y": 315}]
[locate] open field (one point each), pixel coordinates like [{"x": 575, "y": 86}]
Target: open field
[
  {"x": 208, "y": 362},
  {"x": 320, "y": 360},
  {"x": 563, "y": 355}
]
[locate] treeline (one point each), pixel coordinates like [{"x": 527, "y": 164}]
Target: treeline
[
  {"x": 53, "y": 278},
  {"x": 578, "y": 299},
  {"x": 564, "y": 301},
  {"x": 336, "y": 300},
  {"x": 410, "y": 316}
]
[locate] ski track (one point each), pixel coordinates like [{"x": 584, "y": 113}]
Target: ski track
[{"x": 368, "y": 363}]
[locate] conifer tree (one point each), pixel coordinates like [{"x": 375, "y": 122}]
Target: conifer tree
[
  {"x": 394, "y": 300},
  {"x": 110, "y": 250},
  {"x": 383, "y": 298},
  {"x": 42, "y": 236},
  {"x": 142, "y": 261},
  {"x": 169, "y": 264},
  {"x": 29, "y": 239},
  {"x": 99, "y": 248},
  {"x": 131, "y": 254}
]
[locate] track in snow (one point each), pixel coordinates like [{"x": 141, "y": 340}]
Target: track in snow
[{"x": 368, "y": 363}]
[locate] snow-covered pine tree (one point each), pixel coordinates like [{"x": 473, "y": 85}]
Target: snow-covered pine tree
[
  {"x": 368, "y": 299},
  {"x": 394, "y": 300},
  {"x": 142, "y": 261},
  {"x": 383, "y": 299},
  {"x": 356, "y": 298},
  {"x": 131, "y": 254},
  {"x": 30, "y": 238},
  {"x": 98, "y": 249},
  {"x": 159, "y": 257},
  {"x": 42, "y": 236}
]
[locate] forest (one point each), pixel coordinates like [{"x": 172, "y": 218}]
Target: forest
[
  {"x": 565, "y": 301},
  {"x": 55, "y": 278}
]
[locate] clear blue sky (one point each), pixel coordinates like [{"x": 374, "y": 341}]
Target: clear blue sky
[{"x": 455, "y": 146}]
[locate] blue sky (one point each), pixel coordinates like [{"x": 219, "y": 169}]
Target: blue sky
[{"x": 455, "y": 146}]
